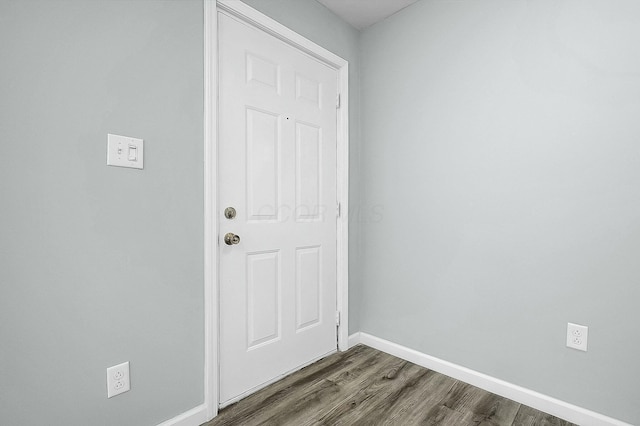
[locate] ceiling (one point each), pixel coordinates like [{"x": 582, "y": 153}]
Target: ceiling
[{"x": 364, "y": 13}]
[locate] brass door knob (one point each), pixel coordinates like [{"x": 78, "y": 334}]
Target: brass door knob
[
  {"x": 231, "y": 239},
  {"x": 229, "y": 212}
]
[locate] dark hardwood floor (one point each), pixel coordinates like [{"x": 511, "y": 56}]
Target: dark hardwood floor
[{"x": 364, "y": 386}]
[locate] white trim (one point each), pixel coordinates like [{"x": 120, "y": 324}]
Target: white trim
[
  {"x": 247, "y": 14},
  {"x": 342, "y": 230},
  {"x": 354, "y": 339},
  {"x": 516, "y": 393},
  {"x": 210, "y": 209},
  {"x": 194, "y": 417},
  {"x": 251, "y": 16}
]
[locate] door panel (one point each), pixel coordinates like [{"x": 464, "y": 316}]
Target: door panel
[
  {"x": 263, "y": 173},
  {"x": 308, "y": 287},
  {"x": 277, "y": 168},
  {"x": 308, "y": 172},
  {"x": 263, "y": 298}
]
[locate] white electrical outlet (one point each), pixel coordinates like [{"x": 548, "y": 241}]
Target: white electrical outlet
[
  {"x": 118, "y": 379},
  {"x": 577, "y": 336}
]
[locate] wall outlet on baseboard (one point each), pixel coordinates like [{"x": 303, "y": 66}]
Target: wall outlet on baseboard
[
  {"x": 118, "y": 379},
  {"x": 577, "y": 336}
]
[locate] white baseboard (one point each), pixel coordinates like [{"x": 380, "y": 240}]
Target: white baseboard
[
  {"x": 194, "y": 417},
  {"x": 354, "y": 339},
  {"x": 547, "y": 404}
]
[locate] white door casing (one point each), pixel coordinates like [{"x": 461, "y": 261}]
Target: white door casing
[{"x": 277, "y": 167}]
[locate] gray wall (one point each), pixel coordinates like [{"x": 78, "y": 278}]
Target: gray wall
[
  {"x": 494, "y": 200},
  {"x": 317, "y": 23},
  {"x": 502, "y": 139},
  {"x": 100, "y": 265}
]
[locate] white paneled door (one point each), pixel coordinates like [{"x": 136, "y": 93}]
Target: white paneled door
[{"x": 277, "y": 170}]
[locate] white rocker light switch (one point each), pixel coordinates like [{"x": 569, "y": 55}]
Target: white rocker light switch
[{"x": 124, "y": 151}]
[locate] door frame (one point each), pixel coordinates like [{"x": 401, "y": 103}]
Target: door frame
[{"x": 256, "y": 19}]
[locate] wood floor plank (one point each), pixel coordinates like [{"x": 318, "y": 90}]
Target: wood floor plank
[
  {"x": 427, "y": 394},
  {"x": 478, "y": 407},
  {"x": 364, "y": 386},
  {"x": 398, "y": 405},
  {"x": 494, "y": 410},
  {"x": 528, "y": 416},
  {"x": 345, "y": 385},
  {"x": 315, "y": 382},
  {"x": 442, "y": 415},
  {"x": 362, "y": 403}
]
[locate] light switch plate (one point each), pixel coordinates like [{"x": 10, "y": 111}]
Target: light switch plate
[{"x": 124, "y": 151}]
